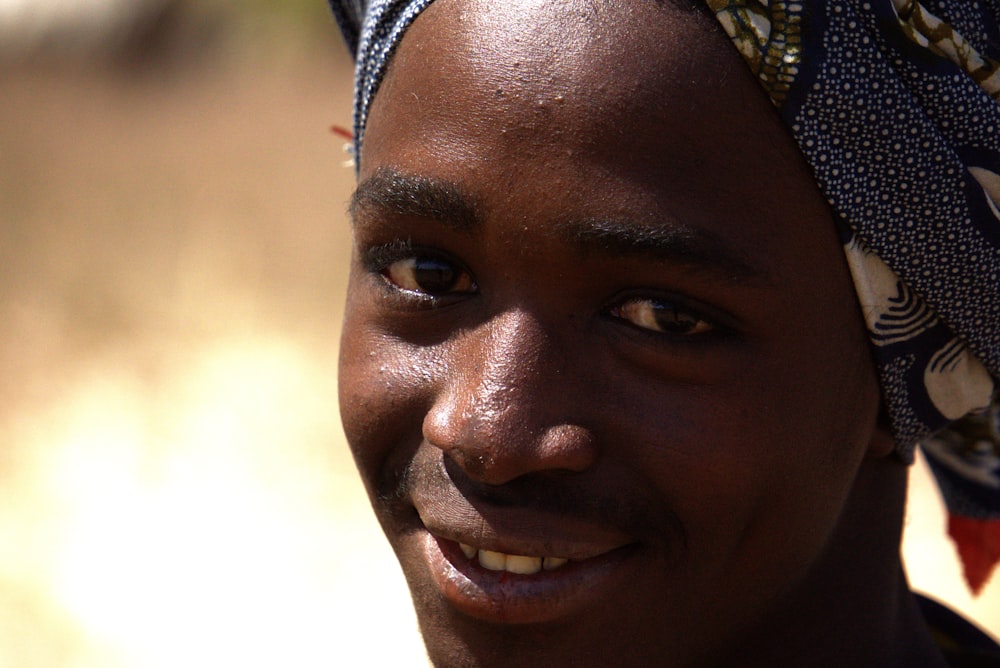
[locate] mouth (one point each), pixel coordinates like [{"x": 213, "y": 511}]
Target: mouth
[
  {"x": 514, "y": 588},
  {"x": 518, "y": 564},
  {"x": 519, "y": 558}
]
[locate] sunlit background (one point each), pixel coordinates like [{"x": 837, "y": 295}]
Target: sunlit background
[{"x": 174, "y": 485}]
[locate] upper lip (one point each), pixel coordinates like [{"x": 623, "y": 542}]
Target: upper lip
[{"x": 516, "y": 530}]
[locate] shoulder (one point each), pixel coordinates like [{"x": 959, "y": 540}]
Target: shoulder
[{"x": 962, "y": 643}]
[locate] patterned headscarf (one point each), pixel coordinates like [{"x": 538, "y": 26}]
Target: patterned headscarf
[{"x": 895, "y": 104}]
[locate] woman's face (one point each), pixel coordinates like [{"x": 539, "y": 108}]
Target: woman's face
[{"x": 602, "y": 369}]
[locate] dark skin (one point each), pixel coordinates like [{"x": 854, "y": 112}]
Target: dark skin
[{"x": 598, "y": 313}]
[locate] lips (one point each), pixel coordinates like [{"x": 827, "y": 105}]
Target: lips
[
  {"x": 476, "y": 586},
  {"x": 516, "y": 564}
]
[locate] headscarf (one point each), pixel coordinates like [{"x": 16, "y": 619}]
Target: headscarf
[{"x": 895, "y": 104}]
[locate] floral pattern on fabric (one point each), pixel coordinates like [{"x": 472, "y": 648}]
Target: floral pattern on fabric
[{"x": 894, "y": 103}]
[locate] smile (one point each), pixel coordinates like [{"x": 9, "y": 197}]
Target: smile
[
  {"x": 512, "y": 588},
  {"x": 512, "y": 563}
]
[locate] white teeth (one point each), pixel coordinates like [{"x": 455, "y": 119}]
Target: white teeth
[
  {"x": 523, "y": 565},
  {"x": 512, "y": 563},
  {"x": 493, "y": 561},
  {"x": 552, "y": 563}
]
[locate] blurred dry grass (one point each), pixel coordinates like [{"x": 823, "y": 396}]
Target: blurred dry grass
[
  {"x": 173, "y": 249},
  {"x": 176, "y": 490}
]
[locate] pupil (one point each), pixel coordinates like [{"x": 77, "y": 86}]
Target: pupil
[
  {"x": 670, "y": 320},
  {"x": 433, "y": 275}
]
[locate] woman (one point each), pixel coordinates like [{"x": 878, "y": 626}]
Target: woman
[{"x": 603, "y": 369}]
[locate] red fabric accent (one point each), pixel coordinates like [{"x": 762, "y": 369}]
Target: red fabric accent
[
  {"x": 342, "y": 132},
  {"x": 978, "y": 543}
]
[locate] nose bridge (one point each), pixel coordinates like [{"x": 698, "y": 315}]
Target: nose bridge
[
  {"x": 503, "y": 412},
  {"x": 515, "y": 359}
]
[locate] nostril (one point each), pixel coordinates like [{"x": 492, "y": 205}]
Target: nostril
[
  {"x": 497, "y": 456},
  {"x": 476, "y": 464}
]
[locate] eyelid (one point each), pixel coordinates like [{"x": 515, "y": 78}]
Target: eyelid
[
  {"x": 720, "y": 322},
  {"x": 379, "y": 259},
  {"x": 647, "y": 313}
]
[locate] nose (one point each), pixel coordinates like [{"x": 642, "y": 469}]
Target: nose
[{"x": 507, "y": 407}]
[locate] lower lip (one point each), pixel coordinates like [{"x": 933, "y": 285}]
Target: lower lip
[{"x": 499, "y": 596}]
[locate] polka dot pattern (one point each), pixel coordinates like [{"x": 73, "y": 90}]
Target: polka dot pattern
[{"x": 894, "y": 109}]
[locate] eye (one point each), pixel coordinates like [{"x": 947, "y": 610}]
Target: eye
[
  {"x": 662, "y": 315},
  {"x": 429, "y": 275}
]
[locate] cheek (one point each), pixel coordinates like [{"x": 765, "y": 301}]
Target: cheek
[
  {"x": 804, "y": 468},
  {"x": 385, "y": 388},
  {"x": 770, "y": 452}
]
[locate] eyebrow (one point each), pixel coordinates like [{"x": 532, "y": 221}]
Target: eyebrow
[
  {"x": 680, "y": 245},
  {"x": 417, "y": 196},
  {"x": 407, "y": 195}
]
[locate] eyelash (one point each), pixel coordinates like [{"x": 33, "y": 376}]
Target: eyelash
[
  {"x": 663, "y": 316},
  {"x": 638, "y": 310},
  {"x": 396, "y": 264}
]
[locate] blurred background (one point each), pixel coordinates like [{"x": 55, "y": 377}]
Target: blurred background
[{"x": 174, "y": 485}]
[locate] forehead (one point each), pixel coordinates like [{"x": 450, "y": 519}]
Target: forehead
[
  {"x": 644, "y": 104},
  {"x": 562, "y": 71},
  {"x": 572, "y": 67}
]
